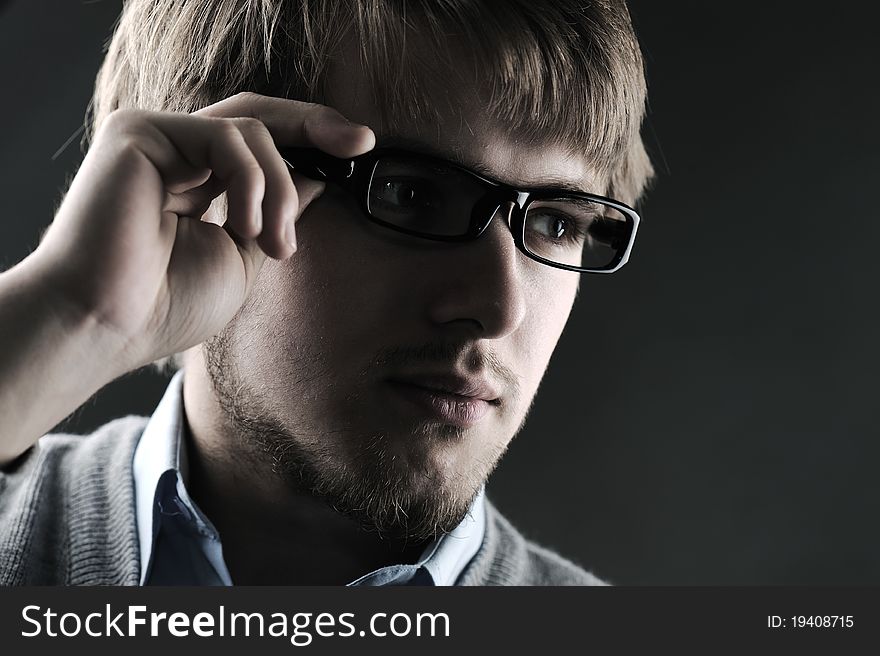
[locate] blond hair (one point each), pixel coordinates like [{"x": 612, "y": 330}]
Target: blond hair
[{"x": 565, "y": 70}]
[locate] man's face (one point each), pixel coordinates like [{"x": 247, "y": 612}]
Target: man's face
[{"x": 325, "y": 365}]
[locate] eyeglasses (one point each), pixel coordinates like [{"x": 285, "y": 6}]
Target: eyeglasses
[{"x": 432, "y": 198}]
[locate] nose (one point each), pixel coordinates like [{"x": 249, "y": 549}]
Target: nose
[{"x": 481, "y": 289}]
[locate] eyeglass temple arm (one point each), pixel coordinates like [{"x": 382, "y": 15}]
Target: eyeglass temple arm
[{"x": 317, "y": 164}]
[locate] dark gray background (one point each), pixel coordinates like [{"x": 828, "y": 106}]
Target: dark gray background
[{"x": 710, "y": 414}]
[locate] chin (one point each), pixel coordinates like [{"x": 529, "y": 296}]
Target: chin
[
  {"x": 411, "y": 482},
  {"x": 399, "y": 502},
  {"x": 413, "y": 486}
]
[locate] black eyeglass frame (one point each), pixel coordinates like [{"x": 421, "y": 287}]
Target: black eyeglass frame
[{"x": 355, "y": 176}]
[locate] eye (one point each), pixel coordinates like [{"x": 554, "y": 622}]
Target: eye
[
  {"x": 555, "y": 226},
  {"x": 402, "y": 193}
]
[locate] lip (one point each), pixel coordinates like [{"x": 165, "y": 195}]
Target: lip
[
  {"x": 455, "y": 401},
  {"x": 471, "y": 388}
]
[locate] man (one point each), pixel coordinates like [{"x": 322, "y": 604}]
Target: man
[{"x": 361, "y": 315}]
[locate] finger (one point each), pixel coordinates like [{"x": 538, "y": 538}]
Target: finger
[
  {"x": 309, "y": 190},
  {"x": 296, "y": 123},
  {"x": 280, "y": 200},
  {"x": 232, "y": 161},
  {"x": 195, "y": 201},
  {"x": 218, "y": 145}
]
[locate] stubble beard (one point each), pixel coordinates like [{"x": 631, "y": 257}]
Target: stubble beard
[{"x": 363, "y": 480}]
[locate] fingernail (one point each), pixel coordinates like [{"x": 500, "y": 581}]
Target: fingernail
[
  {"x": 258, "y": 218},
  {"x": 344, "y": 122},
  {"x": 311, "y": 193},
  {"x": 290, "y": 235}
]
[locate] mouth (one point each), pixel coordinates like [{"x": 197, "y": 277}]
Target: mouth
[{"x": 464, "y": 407}]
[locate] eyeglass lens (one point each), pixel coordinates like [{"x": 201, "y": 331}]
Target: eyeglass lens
[
  {"x": 422, "y": 196},
  {"x": 575, "y": 232},
  {"x": 433, "y": 199}
]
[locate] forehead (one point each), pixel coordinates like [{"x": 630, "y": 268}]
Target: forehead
[{"x": 458, "y": 128}]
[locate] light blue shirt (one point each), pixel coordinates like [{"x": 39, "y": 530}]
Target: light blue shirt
[{"x": 180, "y": 546}]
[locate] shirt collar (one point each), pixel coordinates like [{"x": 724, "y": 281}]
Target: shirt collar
[
  {"x": 445, "y": 558},
  {"x": 162, "y": 448}
]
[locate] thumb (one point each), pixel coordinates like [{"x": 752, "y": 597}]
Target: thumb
[{"x": 252, "y": 256}]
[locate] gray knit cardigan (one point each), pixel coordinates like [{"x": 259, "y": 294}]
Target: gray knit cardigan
[{"x": 67, "y": 517}]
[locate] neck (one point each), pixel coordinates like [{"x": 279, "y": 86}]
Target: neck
[{"x": 273, "y": 533}]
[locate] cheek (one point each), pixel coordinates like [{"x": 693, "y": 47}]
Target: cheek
[
  {"x": 333, "y": 296},
  {"x": 549, "y": 309},
  {"x": 563, "y": 297},
  {"x": 348, "y": 269}
]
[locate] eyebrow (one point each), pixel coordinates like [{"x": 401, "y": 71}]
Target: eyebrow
[{"x": 548, "y": 183}]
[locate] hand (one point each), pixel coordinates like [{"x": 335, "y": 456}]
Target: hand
[{"x": 134, "y": 246}]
